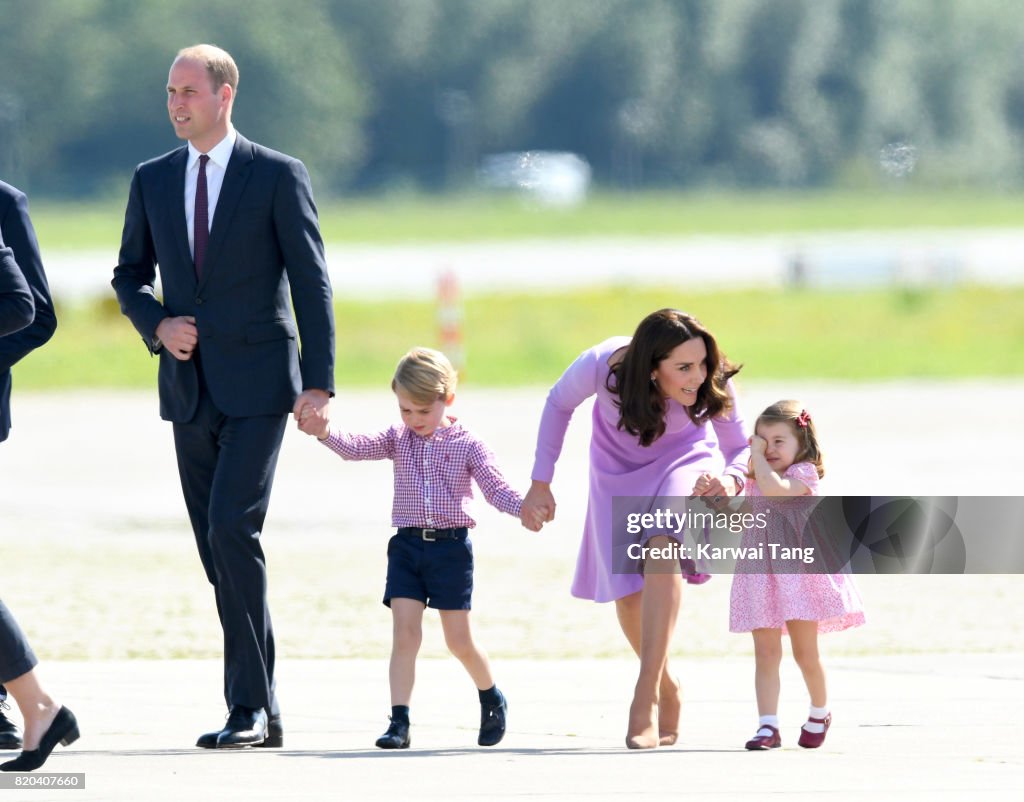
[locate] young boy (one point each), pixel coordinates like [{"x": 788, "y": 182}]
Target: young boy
[{"x": 430, "y": 558}]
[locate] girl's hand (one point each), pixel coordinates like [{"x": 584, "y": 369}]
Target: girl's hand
[{"x": 758, "y": 444}]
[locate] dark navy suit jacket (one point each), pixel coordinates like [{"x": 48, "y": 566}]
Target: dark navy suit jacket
[
  {"x": 20, "y": 264},
  {"x": 264, "y": 245}
]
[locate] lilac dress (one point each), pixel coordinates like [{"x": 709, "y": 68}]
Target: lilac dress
[
  {"x": 620, "y": 466},
  {"x": 763, "y": 599}
]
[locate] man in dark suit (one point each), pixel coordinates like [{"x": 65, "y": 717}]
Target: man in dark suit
[
  {"x": 17, "y": 234},
  {"x": 29, "y": 322},
  {"x": 233, "y": 228}
]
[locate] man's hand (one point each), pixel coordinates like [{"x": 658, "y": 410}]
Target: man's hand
[
  {"x": 179, "y": 336},
  {"x": 312, "y": 413}
]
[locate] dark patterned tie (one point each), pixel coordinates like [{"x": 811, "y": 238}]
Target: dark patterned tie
[{"x": 201, "y": 227}]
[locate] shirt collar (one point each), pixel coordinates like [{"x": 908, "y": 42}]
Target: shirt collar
[
  {"x": 443, "y": 432},
  {"x": 440, "y": 433},
  {"x": 219, "y": 154}
]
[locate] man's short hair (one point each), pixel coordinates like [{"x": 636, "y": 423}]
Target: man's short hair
[{"x": 218, "y": 62}]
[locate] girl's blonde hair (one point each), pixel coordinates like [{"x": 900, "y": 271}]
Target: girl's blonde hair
[
  {"x": 793, "y": 413},
  {"x": 425, "y": 375}
]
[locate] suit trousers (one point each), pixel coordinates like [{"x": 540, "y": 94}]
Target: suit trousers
[
  {"x": 226, "y": 466},
  {"x": 16, "y": 656}
]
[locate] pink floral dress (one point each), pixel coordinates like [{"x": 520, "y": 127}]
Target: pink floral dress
[{"x": 763, "y": 599}]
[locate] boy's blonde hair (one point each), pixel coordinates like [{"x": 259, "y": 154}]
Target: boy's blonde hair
[{"x": 425, "y": 375}]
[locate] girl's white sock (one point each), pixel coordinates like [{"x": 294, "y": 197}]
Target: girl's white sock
[
  {"x": 816, "y": 712},
  {"x": 767, "y": 721}
]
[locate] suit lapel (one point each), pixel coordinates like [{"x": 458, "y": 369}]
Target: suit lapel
[
  {"x": 235, "y": 178},
  {"x": 176, "y": 194}
]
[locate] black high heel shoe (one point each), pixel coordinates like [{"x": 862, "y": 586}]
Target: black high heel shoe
[{"x": 64, "y": 730}]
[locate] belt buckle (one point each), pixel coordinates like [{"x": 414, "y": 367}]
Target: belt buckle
[{"x": 423, "y": 534}]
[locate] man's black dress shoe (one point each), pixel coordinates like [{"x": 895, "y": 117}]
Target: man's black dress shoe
[
  {"x": 64, "y": 730},
  {"x": 10, "y": 738},
  {"x": 274, "y": 739},
  {"x": 492, "y": 723},
  {"x": 275, "y": 733},
  {"x": 397, "y": 736},
  {"x": 245, "y": 727}
]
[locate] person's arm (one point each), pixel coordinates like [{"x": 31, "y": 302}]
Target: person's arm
[
  {"x": 496, "y": 489},
  {"x": 793, "y": 482},
  {"x": 358, "y": 447},
  {"x": 20, "y": 237},
  {"x": 576, "y": 385},
  {"x": 302, "y": 247},
  {"x": 134, "y": 279},
  {"x": 735, "y": 448},
  {"x": 16, "y": 306}
]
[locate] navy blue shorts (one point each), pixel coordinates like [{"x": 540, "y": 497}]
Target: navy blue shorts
[{"x": 437, "y": 572}]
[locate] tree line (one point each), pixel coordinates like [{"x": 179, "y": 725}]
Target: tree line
[{"x": 382, "y": 95}]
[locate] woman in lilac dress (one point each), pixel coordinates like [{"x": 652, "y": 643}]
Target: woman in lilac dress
[{"x": 665, "y": 427}]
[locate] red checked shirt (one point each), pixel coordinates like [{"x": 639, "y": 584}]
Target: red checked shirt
[{"x": 432, "y": 474}]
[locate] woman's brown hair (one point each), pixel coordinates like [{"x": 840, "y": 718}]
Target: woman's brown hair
[{"x": 641, "y": 405}]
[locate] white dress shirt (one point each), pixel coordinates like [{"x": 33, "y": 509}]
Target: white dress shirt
[{"x": 215, "y": 168}]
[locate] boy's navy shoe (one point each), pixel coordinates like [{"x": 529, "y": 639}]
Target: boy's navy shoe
[
  {"x": 492, "y": 723},
  {"x": 397, "y": 736}
]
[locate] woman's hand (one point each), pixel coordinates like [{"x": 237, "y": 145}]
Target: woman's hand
[{"x": 538, "y": 506}]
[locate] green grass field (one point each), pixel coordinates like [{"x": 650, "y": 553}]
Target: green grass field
[
  {"x": 517, "y": 339},
  {"x": 514, "y": 339},
  {"x": 71, "y": 226}
]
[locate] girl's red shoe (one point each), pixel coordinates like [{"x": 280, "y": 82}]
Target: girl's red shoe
[
  {"x": 812, "y": 740},
  {"x": 759, "y": 742}
]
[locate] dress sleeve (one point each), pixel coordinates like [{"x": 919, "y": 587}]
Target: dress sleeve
[
  {"x": 805, "y": 473},
  {"x": 732, "y": 437},
  {"x": 363, "y": 446},
  {"x": 577, "y": 384}
]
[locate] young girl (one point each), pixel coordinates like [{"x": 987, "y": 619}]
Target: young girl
[
  {"x": 430, "y": 558},
  {"x": 785, "y": 460}
]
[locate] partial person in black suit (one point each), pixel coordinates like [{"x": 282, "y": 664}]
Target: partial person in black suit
[
  {"x": 18, "y": 235},
  {"x": 26, "y": 322},
  {"x": 230, "y": 370}
]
